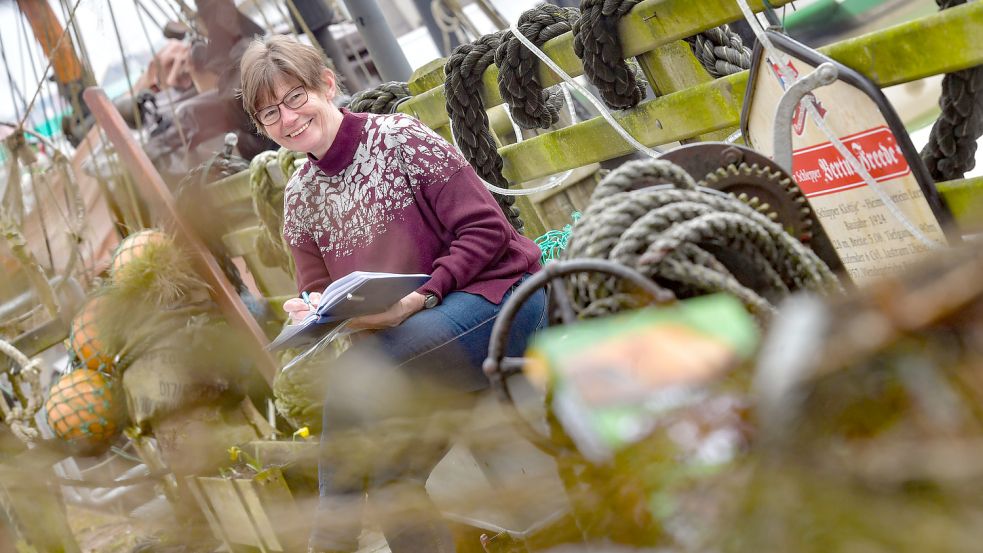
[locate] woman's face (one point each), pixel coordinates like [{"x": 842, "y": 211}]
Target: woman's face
[{"x": 311, "y": 127}]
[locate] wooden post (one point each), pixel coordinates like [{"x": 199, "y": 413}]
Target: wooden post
[
  {"x": 47, "y": 31},
  {"x": 152, "y": 185},
  {"x": 673, "y": 67}
]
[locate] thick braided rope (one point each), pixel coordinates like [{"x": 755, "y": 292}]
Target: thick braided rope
[
  {"x": 518, "y": 81},
  {"x": 380, "y": 100},
  {"x": 607, "y": 221},
  {"x": 268, "y": 206},
  {"x": 721, "y": 51},
  {"x": 469, "y": 121},
  {"x": 289, "y": 161},
  {"x": 20, "y": 418},
  {"x": 598, "y": 45},
  {"x": 951, "y": 148},
  {"x": 664, "y": 233}
]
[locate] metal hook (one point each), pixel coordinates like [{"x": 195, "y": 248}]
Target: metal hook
[{"x": 823, "y": 75}]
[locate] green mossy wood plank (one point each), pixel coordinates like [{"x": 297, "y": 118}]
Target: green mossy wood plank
[
  {"x": 965, "y": 199},
  {"x": 673, "y": 67},
  {"x": 945, "y": 42},
  {"x": 649, "y": 25}
]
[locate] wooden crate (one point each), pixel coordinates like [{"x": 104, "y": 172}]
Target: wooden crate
[{"x": 257, "y": 512}]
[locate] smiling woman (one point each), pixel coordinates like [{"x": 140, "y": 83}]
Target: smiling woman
[
  {"x": 384, "y": 193},
  {"x": 288, "y": 92}
]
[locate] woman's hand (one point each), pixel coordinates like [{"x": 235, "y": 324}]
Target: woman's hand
[
  {"x": 297, "y": 308},
  {"x": 399, "y": 312}
]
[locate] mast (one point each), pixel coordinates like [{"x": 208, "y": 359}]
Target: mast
[{"x": 68, "y": 70}]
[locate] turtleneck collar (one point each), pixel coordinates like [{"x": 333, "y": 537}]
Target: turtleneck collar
[{"x": 342, "y": 150}]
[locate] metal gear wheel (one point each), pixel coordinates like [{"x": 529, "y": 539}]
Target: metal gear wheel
[
  {"x": 770, "y": 192},
  {"x": 760, "y": 182}
]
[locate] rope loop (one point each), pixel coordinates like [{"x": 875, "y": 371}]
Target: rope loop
[
  {"x": 690, "y": 240},
  {"x": 721, "y": 51},
  {"x": 598, "y": 45},
  {"x": 518, "y": 81},
  {"x": 26, "y": 384},
  {"x": 469, "y": 121},
  {"x": 268, "y": 206},
  {"x": 380, "y": 100},
  {"x": 951, "y": 148}
]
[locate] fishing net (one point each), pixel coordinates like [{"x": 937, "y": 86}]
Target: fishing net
[
  {"x": 83, "y": 409},
  {"x": 299, "y": 387},
  {"x": 88, "y": 349},
  {"x": 134, "y": 246},
  {"x": 554, "y": 242}
]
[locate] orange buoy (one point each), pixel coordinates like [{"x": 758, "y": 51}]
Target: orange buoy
[
  {"x": 89, "y": 350},
  {"x": 81, "y": 408},
  {"x": 133, "y": 246}
]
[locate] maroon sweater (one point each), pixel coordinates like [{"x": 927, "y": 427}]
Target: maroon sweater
[{"x": 391, "y": 195}]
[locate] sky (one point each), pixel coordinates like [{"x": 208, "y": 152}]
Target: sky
[
  {"x": 24, "y": 58},
  {"x": 97, "y": 31}
]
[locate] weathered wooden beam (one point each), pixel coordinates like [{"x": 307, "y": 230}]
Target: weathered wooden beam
[
  {"x": 965, "y": 200},
  {"x": 157, "y": 194},
  {"x": 649, "y": 25},
  {"x": 673, "y": 67},
  {"x": 948, "y": 37},
  {"x": 685, "y": 114},
  {"x": 943, "y": 42}
]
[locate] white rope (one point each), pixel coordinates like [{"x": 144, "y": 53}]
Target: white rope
[
  {"x": 810, "y": 105},
  {"x": 555, "y": 180},
  {"x": 448, "y": 22},
  {"x": 654, "y": 153}
]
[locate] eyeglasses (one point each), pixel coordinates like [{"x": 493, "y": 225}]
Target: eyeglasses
[{"x": 295, "y": 98}]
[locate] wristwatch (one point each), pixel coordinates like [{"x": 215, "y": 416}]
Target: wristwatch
[{"x": 430, "y": 301}]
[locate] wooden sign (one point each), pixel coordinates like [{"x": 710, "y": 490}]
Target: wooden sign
[{"x": 871, "y": 237}]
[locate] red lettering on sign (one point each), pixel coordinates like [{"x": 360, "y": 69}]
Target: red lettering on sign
[{"x": 821, "y": 170}]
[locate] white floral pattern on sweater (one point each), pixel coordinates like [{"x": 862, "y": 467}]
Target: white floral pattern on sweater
[{"x": 343, "y": 213}]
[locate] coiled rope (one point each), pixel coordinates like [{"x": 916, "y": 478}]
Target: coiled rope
[
  {"x": 380, "y": 100},
  {"x": 469, "y": 120},
  {"x": 691, "y": 240},
  {"x": 289, "y": 161},
  {"x": 598, "y": 45},
  {"x": 268, "y": 206},
  {"x": 27, "y": 387},
  {"x": 721, "y": 51},
  {"x": 951, "y": 148},
  {"x": 531, "y": 106}
]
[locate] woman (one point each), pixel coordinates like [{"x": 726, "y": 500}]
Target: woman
[{"x": 385, "y": 193}]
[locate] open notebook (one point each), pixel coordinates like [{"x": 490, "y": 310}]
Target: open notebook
[{"x": 358, "y": 293}]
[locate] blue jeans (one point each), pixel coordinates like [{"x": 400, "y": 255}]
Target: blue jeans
[{"x": 392, "y": 404}]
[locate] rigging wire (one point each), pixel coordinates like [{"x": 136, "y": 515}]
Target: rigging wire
[
  {"x": 654, "y": 153},
  {"x": 31, "y": 51},
  {"x": 262, "y": 14},
  {"x": 118, "y": 174},
  {"x": 810, "y": 109},
  {"x": 10, "y": 79},
  {"x": 167, "y": 90},
  {"x": 47, "y": 68},
  {"x": 146, "y": 11},
  {"x": 23, "y": 66},
  {"x": 177, "y": 16},
  {"x": 285, "y": 15},
  {"x": 306, "y": 29},
  {"x": 137, "y": 116}
]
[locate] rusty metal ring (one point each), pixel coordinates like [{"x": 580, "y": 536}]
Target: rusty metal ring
[{"x": 499, "y": 368}]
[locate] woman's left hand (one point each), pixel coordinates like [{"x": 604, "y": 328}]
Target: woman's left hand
[{"x": 394, "y": 316}]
